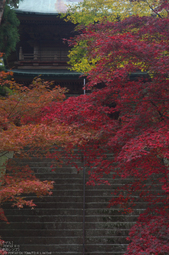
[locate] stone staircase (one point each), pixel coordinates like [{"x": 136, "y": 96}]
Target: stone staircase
[{"x": 57, "y": 225}]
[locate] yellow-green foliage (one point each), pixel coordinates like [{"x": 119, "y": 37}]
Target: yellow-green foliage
[
  {"x": 78, "y": 59},
  {"x": 91, "y": 11}
]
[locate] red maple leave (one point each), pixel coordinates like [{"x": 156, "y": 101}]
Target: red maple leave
[{"x": 126, "y": 114}]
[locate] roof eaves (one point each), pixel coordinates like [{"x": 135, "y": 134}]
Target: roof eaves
[
  {"x": 60, "y": 74},
  {"x": 36, "y": 13}
]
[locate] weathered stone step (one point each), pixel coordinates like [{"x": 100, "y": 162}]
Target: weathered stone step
[
  {"x": 69, "y": 225},
  {"x": 77, "y": 248},
  {"x": 49, "y": 240},
  {"x": 43, "y": 225},
  {"x": 64, "y": 179},
  {"x": 54, "y": 249},
  {"x": 68, "y": 201},
  {"x": 57, "y": 197},
  {"x": 26, "y": 233},
  {"x": 103, "y": 187},
  {"x": 43, "y": 172},
  {"x": 75, "y": 192},
  {"x": 29, "y": 233},
  {"x": 107, "y": 248},
  {"x": 76, "y": 204},
  {"x": 106, "y": 240},
  {"x": 89, "y": 194},
  {"x": 70, "y": 205},
  {"x": 69, "y": 218},
  {"x": 71, "y": 211},
  {"x": 78, "y": 239},
  {"x": 106, "y": 196}
]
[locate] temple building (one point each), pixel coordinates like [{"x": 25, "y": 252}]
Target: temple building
[{"x": 42, "y": 49}]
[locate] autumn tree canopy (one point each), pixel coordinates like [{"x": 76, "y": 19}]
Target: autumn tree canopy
[
  {"x": 21, "y": 126},
  {"x": 94, "y": 11},
  {"x": 127, "y": 111}
]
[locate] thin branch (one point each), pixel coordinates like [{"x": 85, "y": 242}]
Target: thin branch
[
  {"x": 14, "y": 107},
  {"x": 161, "y": 115},
  {"x": 153, "y": 9},
  {"x": 1, "y": 155}
]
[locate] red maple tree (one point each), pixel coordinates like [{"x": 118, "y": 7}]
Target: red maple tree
[
  {"x": 24, "y": 131},
  {"x": 127, "y": 113},
  {"x": 20, "y": 127}
]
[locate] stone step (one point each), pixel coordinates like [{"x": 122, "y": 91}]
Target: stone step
[
  {"x": 70, "y": 218},
  {"x": 61, "y": 211},
  {"x": 55, "y": 225},
  {"x": 76, "y": 248},
  {"x": 65, "y": 225},
  {"x": 64, "y": 233},
  {"x": 74, "y": 238}
]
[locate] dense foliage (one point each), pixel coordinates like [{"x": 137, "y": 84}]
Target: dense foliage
[
  {"x": 127, "y": 113},
  {"x": 92, "y": 11},
  {"x": 23, "y": 132},
  {"x": 20, "y": 127},
  {"x": 8, "y": 31},
  {"x": 96, "y": 11}
]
